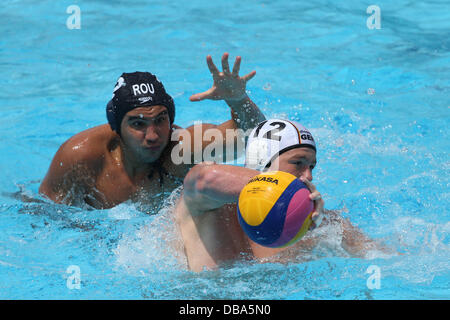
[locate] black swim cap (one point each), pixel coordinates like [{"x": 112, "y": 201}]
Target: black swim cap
[{"x": 134, "y": 90}]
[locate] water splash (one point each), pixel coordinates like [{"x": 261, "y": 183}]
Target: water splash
[{"x": 156, "y": 246}]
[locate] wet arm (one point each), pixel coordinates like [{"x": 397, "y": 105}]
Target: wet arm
[
  {"x": 354, "y": 241},
  {"x": 245, "y": 114},
  {"x": 209, "y": 186}
]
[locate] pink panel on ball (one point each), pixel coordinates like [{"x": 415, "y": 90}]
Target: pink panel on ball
[{"x": 298, "y": 210}]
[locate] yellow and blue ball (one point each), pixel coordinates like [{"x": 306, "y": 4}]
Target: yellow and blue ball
[{"x": 274, "y": 209}]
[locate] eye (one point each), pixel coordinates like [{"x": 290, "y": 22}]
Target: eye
[
  {"x": 160, "y": 120},
  {"x": 137, "y": 124},
  {"x": 303, "y": 163}
]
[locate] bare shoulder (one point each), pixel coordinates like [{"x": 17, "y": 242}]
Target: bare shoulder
[
  {"x": 90, "y": 145},
  {"x": 77, "y": 162},
  {"x": 86, "y": 150}
]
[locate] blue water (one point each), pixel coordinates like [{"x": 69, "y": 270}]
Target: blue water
[{"x": 377, "y": 102}]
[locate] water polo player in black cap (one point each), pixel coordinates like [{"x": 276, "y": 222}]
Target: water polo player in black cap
[{"x": 130, "y": 158}]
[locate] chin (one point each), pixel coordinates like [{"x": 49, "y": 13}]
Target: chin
[{"x": 151, "y": 158}]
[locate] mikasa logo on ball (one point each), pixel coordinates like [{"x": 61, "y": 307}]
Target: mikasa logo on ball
[{"x": 266, "y": 179}]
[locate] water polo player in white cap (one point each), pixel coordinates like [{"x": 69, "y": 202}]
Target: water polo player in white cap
[
  {"x": 130, "y": 157},
  {"x": 206, "y": 213}
]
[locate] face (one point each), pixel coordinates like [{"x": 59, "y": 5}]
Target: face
[
  {"x": 299, "y": 162},
  {"x": 145, "y": 131}
]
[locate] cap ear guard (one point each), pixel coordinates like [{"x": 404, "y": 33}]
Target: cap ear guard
[
  {"x": 255, "y": 154},
  {"x": 111, "y": 115}
]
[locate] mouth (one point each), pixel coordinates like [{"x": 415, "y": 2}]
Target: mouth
[{"x": 153, "y": 148}]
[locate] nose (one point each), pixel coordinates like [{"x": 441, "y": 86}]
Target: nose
[
  {"x": 151, "y": 134},
  {"x": 307, "y": 174}
]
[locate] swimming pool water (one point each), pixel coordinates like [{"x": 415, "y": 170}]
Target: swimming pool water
[{"x": 377, "y": 102}]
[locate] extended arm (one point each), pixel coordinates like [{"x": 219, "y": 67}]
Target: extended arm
[
  {"x": 354, "y": 241},
  {"x": 245, "y": 115},
  {"x": 209, "y": 186}
]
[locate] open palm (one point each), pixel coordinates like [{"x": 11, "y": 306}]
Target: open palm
[{"x": 227, "y": 85}]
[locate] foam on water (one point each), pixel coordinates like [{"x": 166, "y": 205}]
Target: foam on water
[
  {"x": 142, "y": 257},
  {"x": 155, "y": 246}
]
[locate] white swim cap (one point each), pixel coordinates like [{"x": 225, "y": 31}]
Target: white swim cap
[{"x": 273, "y": 137}]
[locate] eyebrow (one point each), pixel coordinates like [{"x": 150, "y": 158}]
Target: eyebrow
[
  {"x": 297, "y": 158},
  {"x": 162, "y": 113}
]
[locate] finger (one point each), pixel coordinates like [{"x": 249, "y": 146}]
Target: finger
[
  {"x": 225, "y": 66},
  {"x": 317, "y": 219},
  {"x": 201, "y": 96},
  {"x": 236, "y": 66},
  {"x": 317, "y": 213},
  {"x": 318, "y": 209},
  {"x": 247, "y": 77},
  {"x": 319, "y": 204},
  {"x": 212, "y": 67},
  {"x": 315, "y": 196},
  {"x": 313, "y": 225},
  {"x": 311, "y": 187}
]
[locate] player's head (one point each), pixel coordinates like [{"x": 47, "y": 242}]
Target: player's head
[
  {"x": 284, "y": 145},
  {"x": 135, "y": 90},
  {"x": 142, "y": 113}
]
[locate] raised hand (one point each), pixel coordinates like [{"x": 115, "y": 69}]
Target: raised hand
[{"x": 227, "y": 85}]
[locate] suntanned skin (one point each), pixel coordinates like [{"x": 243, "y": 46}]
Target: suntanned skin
[
  {"x": 99, "y": 168},
  {"x": 206, "y": 214}
]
